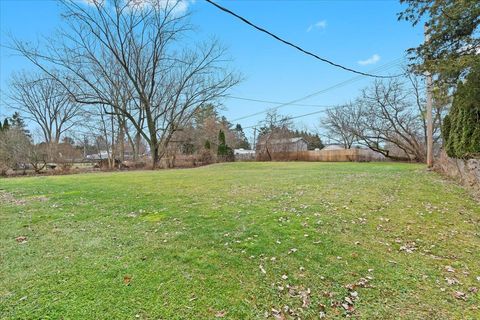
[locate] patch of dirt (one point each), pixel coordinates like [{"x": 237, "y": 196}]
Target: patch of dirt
[{"x": 8, "y": 198}]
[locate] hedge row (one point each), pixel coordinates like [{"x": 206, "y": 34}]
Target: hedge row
[{"x": 461, "y": 127}]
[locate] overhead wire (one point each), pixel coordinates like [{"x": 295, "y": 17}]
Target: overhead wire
[
  {"x": 298, "y": 47},
  {"x": 275, "y": 102},
  {"x": 304, "y": 115},
  {"x": 388, "y": 65}
]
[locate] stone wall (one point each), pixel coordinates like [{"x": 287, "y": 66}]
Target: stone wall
[{"x": 465, "y": 171}]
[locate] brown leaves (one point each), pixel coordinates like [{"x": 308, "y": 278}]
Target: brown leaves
[
  {"x": 293, "y": 250},
  {"x": 449, "y": 269},
  {"x": 361, "y": 283},
  {"x": 409, "y": 247},
  {"x": 278, "y": 314},
  {"x": 21, "y": 239},
  {"x": 8, "y": 198},
  {"x": 220, "y": 314},
  {"x": 452, "y": 281},
  {"x": 305, "y": 295},
  {"x": 127, "y": 279},
  {"x": 262, "y": 269},
  {"x": 460, "y": 295}
]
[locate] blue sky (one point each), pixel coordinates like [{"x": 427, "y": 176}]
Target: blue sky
[{"x": 359, "y": 34}]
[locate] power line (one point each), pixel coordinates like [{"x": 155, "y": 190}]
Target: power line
[
  {"x": 305, "y": 115},
  {"x": 297, "y": 47},
  {"x": 276, "y": 102},
  {"x": 388, "y": 65}
]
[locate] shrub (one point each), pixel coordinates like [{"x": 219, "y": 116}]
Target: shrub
[
  {"x": 461, "y": 127},
  {"x": 224, "y": 152}
]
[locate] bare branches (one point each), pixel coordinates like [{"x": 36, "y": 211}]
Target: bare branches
[
  {"x": 45, "y": 101},
  {"x": 387, "y": 118},
  {"x": 337, "y": 123},
  {"x": 128, "y": 55}
]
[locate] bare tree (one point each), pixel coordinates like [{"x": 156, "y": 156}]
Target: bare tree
[
  {"x": 135, "y": 47},
  {"x": 274, "y": 127},
  {"x": 44, "y": 100},
  {"x": 388, "y": 118},
  {"x": 337, "y": 124},
  {"x": 15, "y": 147}
]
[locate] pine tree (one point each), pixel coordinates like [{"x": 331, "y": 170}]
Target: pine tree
[
  {"x": 224, "y": 152},
  {"x": 17, "y": 122},
  {"x": 5, "y": 126},
  {"x": 222, "y": 145},
  {"x": 243, "y": 141}
]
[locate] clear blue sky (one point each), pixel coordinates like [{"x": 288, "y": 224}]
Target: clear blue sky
[{"x": 347, "y": 32}]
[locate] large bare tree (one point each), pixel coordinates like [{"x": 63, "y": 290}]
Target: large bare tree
[
  {"x": 389, "y": 118},
  {"x": 45, "y": 101},
  {"x": 337, "y": 122},
  {"x": 137, "y": 48},
  {"x": 273, "y": 127}
]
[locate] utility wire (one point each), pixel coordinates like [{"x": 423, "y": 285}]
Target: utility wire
[
  {"x": 297, "y": 47},
  {"x": 303, "y": 115},
  {"x": 340, "y": 84},
  {"x": 276, "y": 102}
]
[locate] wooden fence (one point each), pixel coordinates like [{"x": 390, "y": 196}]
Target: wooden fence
[{"x": 346, "y": 155}]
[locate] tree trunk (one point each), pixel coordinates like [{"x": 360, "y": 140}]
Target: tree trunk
[
  {"x": 136, "y": 147},
  {"x": 154, "y": 148},
  {"x": 121, "y": 141}
]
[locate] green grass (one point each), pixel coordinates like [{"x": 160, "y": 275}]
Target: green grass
[{"x": 192, "y": 241}]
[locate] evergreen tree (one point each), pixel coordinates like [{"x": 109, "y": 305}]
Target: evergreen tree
[
  {"x": 6, "y": 125},
  {"x": 68, "y": 140},
  {"x": 453, "y": 26},
  {"x": 243, "y": 141},
  {"x": 461, "y": 127},
  {"x": 17, "y": 122},
  {"x": 204, "y": 112},
  {"x": 207, "y": 145},
  {"x": 222, "y": 145},
  {"x": 224, "y": 152}
]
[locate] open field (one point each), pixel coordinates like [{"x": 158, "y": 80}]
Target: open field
[{"x": 235, "y": 241}]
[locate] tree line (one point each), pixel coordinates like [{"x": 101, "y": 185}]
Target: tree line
[
  {"x": 121, "y": 77},
  {"x": 124, "y": 64}
]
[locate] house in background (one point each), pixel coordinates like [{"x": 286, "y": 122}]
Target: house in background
[
  {"x": 283, "y": 145},
  {"x": 244, "y": 155},
  {"x": 334, "y": 147}
]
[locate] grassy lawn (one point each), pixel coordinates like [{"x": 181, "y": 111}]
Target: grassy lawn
[{"x": 240, "y": 241}]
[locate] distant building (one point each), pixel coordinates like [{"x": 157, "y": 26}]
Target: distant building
[
  {"x": 283, "y": 145},
  {"x": 243, "y": 155},
  {"x": 334, "y": 147},
  {"x": 242, "y": 151},
  {"x": 97, "y": 156}
]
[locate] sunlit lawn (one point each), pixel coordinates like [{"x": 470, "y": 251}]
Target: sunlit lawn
[{"x": 240, "y": 241}]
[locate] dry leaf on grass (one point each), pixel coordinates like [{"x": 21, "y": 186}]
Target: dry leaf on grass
[
  {"x": 449, "y": 269},
  {"x": 262, "y": 269},
  {"x": 21, "y": 239},
  {"x": 460, "y": 295},
  {"x": 220, "y": 314},
  {"x": 452, "y": 281}
]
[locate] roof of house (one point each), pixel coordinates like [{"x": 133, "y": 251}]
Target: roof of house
[
  {"x": 283, "y": 141},
  {"x": 243, "y": 151},
  {"x": 334, "y": 147}
]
